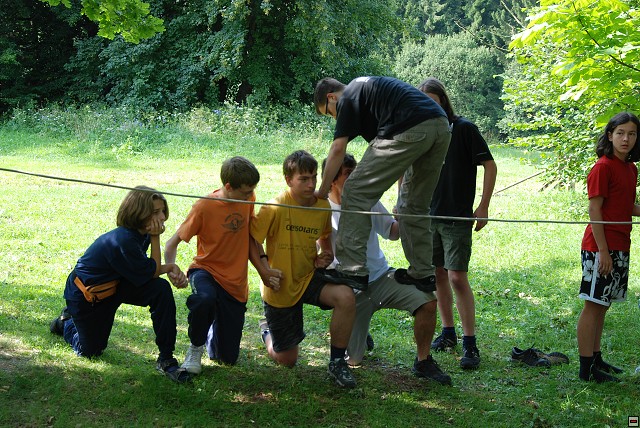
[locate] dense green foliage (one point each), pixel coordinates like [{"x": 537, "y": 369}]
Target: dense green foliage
[
  {"x": 469, "y": 72},
  {"x": 210, "y": 52},
  {"x": 577, "y": 67}
]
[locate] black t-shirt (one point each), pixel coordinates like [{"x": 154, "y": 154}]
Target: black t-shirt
[
  {"x": 383, "y": 107},
  {"x": 456, "y": 189}
]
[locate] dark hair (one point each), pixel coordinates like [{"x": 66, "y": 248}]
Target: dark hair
[
  {"x": 238, "y": 171},
  {"x": 434, "y": 86},
  {"x": 137, "y": 207},
  {"x": 348, "y": 162},
  {"x": 604, "y": 147},
  {"x": 299, "y": 161},
  {"x": 324, "y": 87}
]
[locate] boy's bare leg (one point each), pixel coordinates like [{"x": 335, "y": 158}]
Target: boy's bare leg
[
  {"x": 287, "y": 358},
  {"x": 343, "y": 301},
  {"x": 464, "y": 301},
  {"x": 424, "y": 326}
]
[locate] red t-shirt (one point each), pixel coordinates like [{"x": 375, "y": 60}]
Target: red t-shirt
[{"x": 615, "y": 181}]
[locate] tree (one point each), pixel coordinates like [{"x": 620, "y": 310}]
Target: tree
[
  {"x": 130, "y": 18},
  {"x": 466, "y": 69},
  {"x": 244, "y": 51},
  {"x": 578, "y": 62}
]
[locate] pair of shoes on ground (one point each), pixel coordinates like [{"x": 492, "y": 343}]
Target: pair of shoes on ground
[
  {"x": 536, "y": 358},
  {"x": 170, "y": 368},
  {"x": 57, "y": 325},
  {"x": 426, "y": 284},
  {"x": 341, "y": 373},
  {"x": 429, "y": 369},
  {"x": 334, "y": 276}
]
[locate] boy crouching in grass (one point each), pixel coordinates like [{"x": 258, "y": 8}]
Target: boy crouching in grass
[
  {"x": 218, "y": 273},
  {"x": 291, "y": 270}
]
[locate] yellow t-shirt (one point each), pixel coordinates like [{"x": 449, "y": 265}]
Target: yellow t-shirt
[
  {"x": 291, "y": 236},
  {"x": 222, "y": 229}
]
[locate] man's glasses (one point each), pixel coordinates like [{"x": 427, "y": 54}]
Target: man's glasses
[{"x": 326, "y": 107}]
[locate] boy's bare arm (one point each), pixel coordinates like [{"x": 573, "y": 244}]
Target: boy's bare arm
[
  {"x": 325, "y": 257},
  {"x": 258, "y": 258}
]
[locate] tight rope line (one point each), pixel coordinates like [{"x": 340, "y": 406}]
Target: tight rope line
[{"x": 434, "y": 217}]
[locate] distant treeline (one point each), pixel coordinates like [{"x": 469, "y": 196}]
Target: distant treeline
[{"x": 256, "y": 52}]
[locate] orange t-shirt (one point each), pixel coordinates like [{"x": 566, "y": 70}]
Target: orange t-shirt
[{"x": 222, "y": 230}]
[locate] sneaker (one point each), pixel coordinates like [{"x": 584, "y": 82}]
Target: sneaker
[
  {"x": 429, "y": 369},
  {"x": 263, "y": 325},
  {"x": 193, "y": 360},
  {"x": 598, "y": 376},
  {"x": 339, "y": 370},
  {"x": 370, "y": 343},
  {"x": 57, "y": 325},
  {"x": 554, "y": 358},
  {"x": 529, "y": 357},
  {"x": 470, "y": 358},
  {"x": 172, "y": 370},
  {"x": 605, "y": 367},
  {"x": 426, "y": 284},
  {"x": 444, "y": 343},
  {"x": 334, "y": 276}
]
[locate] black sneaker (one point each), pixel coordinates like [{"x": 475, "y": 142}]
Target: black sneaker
[
  {"x": 339, "y": 370},
  {"x": 529, "y": 357},
  {"x": 370, "y": 343},
  {"x": 604, "y": 366},
  {"x": 429, "y": 369},
  {"x": 426, "y": 284},
  {"x": 333, "y": 276},
  {"x": 470, "y": 358},
  {"x": 598, "y": 376},
  {"x": 444, "y": 343},
  {"x": 171, "y": 369},
  {"x": 57, "y": 325}
]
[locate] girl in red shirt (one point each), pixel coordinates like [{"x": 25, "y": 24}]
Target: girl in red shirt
[{"x": 611, "y": 185}]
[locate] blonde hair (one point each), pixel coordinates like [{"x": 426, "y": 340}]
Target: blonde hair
[{"x": 137, "y": 207}]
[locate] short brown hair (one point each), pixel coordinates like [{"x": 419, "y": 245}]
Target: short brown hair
[
  {"x": 238, "y": 171},
  {"x": 324, "y": 87},
  {"x": 299, "y": 161},
  {"x": 137, "y": 207}
]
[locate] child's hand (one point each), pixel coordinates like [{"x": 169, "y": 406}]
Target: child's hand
[
  {"x": 272, "y": 279},
  {"x": 155, "y": 227},
  {"x": 605, "y": 265},
  {"x": 177, "y": 277},
  {"x": 323, "y": 260}
]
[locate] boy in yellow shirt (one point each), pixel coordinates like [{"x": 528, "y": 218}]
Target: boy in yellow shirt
[{"x": 292, "y": 270}]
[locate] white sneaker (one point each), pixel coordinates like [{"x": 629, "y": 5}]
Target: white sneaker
[{"x": 193, "y": 359}]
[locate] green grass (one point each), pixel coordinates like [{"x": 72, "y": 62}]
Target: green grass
[{"x": 525, "y": 277}]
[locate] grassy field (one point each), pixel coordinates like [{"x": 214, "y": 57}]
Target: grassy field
[{"x": 525, "y": 276}]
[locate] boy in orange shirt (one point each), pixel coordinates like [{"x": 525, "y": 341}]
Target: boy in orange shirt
[{"x": 218, "y": 273}]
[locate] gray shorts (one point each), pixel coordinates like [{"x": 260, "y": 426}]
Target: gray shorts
[
  {"x": 604, "y": 289},
  {"x": 286, "y": 325},
  {"x": 383, "y": 293},
  {"x": 452, "y": 244}
]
